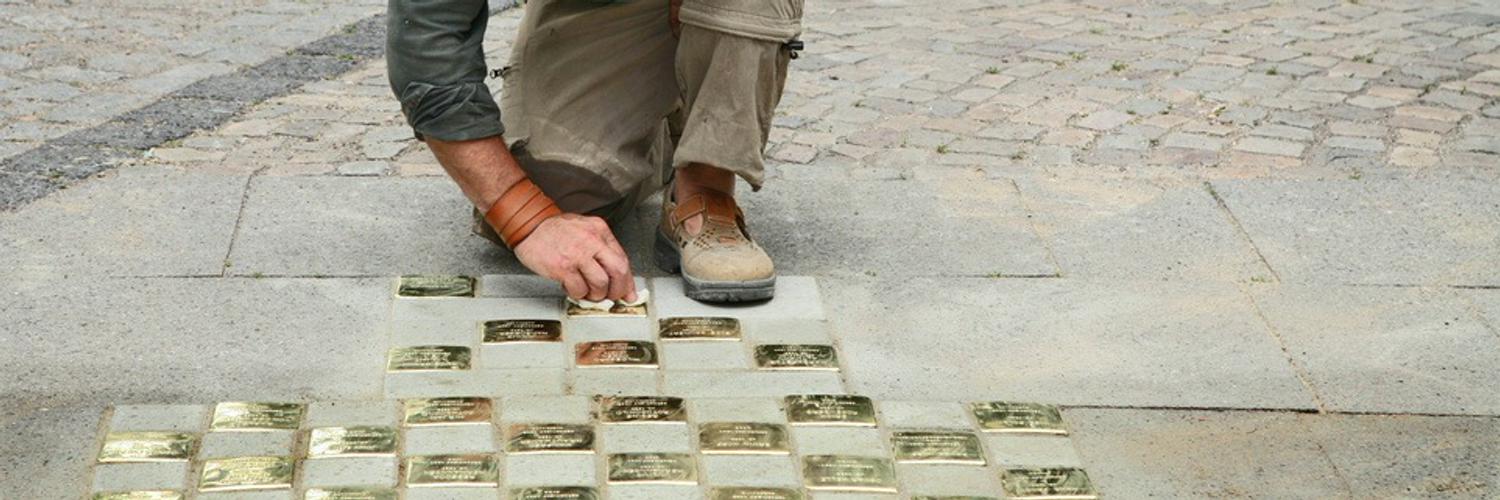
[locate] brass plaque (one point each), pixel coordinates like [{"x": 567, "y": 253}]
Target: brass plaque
[
  {"x": 242, "y": 416},
  {"x": 138, "y": 495},
  {"x": 428, "y": 358},
  {"x": 435, "y": 286},
  {"x": 849, "y": 473},
  {"x": 937, "y": 447},
  {"x": 742, "y": 437},
  {"x": 555, "y": 493},
  {"x": 350, "y": 494},
  {"x": 1020, "y": 418},
  {"x": 666, "y": 468},
  {"x": 753, "y": 493},
  {"x": 617, "y": 353},
  {"x": 147, "y": 447},
  {"x": 830, "y": 409},
  {"x": 502, "y": 331},
  {"x": 452, "y": 470},
  {"x": 640, "y": 409},
  {"x": 446, "y": 411},
  {"x": 1052, "y": 483},
  {"x": 699, "y": 328},
  {"x": 796, "y": 357},
  {"x": 246, "y": 473},
  {"x": 549, "y": 438},
  {"x": 351, "y": 441},
  {"x": 618, "y": 310}
]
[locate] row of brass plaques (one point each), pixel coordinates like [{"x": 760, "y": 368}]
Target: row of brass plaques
[{"x": 606, "y": 353}]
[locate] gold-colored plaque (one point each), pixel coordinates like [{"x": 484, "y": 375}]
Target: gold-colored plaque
[
  {"x": 246, "y": 473},
  {"x": 502, "y": 331},
  {"x": 139, "y": 495},
  {"x": 753, "y": 493},
  {"x": 742, "y": 437},
  {"x": 428, "y": 358},
  {"x": 1019, "y": 418},
  {"x": 351, "y": 441},
  {"x": 350, "y": 494},
  {"x": 640, "y": 409},
  {"x": 616, "y": 353},
  {"x": 665, "y": 468},
  {"x": 446, "y": 411},
  {"x": 796, "y": 357},
  {"x": 1051, "y": 483},
  {"x": 246, "y": 416},
  {"x": 699, "y": 328},
  {"x": 435, "y": 286},
  {"x": 452, "y": 470},
  {"x": 555, "y": 493},
  {"x": 830, "y": 409},
  {"x": 549, "y": 438},
  {"x": 937, "y": 447},
  {"x": 849, "y": 473},
  {"x": 147, "y": 447},
  {"x": 617, "y": 310}
]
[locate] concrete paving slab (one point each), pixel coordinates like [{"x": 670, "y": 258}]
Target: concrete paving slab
[
  {"x": 46, "y": 454},
  {"x": 1408, "y": 456}
]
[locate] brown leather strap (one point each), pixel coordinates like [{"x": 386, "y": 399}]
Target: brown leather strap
[
  {"x": 519, "y": 211},
  {"x": 713, "y": 206}
]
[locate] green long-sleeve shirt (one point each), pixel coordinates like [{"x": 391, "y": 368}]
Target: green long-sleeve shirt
[{"x": 435, "y": 62}]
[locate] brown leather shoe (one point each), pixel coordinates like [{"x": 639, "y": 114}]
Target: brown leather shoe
[{"x": 719, "y": 263}]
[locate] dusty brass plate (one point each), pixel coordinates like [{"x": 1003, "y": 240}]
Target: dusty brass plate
[
  {"x": 617, "y": 353},
  {"x": 446, "y": 411},
  {"x": 138, "y": 495},
  {"x": 452, "y": 470},
  {"x": 249, "y": 416},
  {"x": 147, "y": 447},
  {"x": 830, "y": 409},
  {"x": 742, "y": 437},
  {"x": 351, "y": 441},
  {"x": 428, "y": 358},
  {"x": 350, "y": 494},
  {"x": 435, "y": 286},
  {"x": 1019, "y": 418},
  {"x": 555, "y": 493},
  {"x": 699, "y": 328},
  {"x": 937, "y": 447},
  {"x": 665, "y": 468},
  {"x": 753, "y": 493},
  {"x": 1053, "y": 483},
  {"x": 617, "y": 311},
  {"x": 502, "y": 331},
  {"x": 849, "y": 473},
  {"x": 549, "y": 438},
  {"x": 796, "y": 357},
  {"x": 246, "y": 473},
  {"x": 640, "y": 409}
]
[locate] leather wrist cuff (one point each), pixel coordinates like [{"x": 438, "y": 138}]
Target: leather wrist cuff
[{"x": 519, "y": 211}]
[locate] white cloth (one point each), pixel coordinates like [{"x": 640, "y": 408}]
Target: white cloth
[{"x": 641, "y": 296}]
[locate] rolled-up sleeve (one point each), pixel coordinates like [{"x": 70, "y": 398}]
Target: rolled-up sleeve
[{"x": 435, "y": 60}]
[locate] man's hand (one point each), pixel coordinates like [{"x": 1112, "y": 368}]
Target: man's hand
[{"x": 581, "y": 253}]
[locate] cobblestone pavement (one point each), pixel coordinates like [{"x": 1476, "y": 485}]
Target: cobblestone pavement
[{"x": 1248, "y": 248}]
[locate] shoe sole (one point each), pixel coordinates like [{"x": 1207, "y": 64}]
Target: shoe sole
[{"x": 669, "y": 259}]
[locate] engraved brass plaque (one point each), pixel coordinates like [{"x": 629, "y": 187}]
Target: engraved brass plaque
[
  {"x": 452, "y": 470},
  {"x": 1053, "y": 483},
  {"x": 351, "y": 441},
  {"x": 616, "y": 353},
  {"x": 796, "y": 357},
  {"x": 753, "y": 493},
  {"x": 350, "y": 494},
  {"x": 147, "y": 447},
  {"x": 1020, "y": 418},
  {"x": 849, "y": 473},
  {"x": 446, "y": 411},
  {"x": 699, "y": 328},
  {"x": 502, "y": 331},
  {"x": 830, "y": 409},
  {"x": 617, "y": 310},
  {"x": 937, "y": 447},
  {"x": 555, "y": 493},
  {"x": 640, "y": 409},
  {"x": 742, "y": 437},
  {"x": 138, "y": 495},
  {"x": 243, "y": 416},
  {"x": 246, "y": 473},
  {"x": 428, "y": 358},
  {"x": 549, "y": 438},
  {"x": 435, "y": 286},
  {"x": 665, "y": 468}
]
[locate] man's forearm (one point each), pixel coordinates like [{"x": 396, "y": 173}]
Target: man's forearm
[{"x": 483, "y": 168}]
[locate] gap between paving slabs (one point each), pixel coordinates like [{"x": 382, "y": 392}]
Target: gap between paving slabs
[{"x": 567, "y": 442}]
